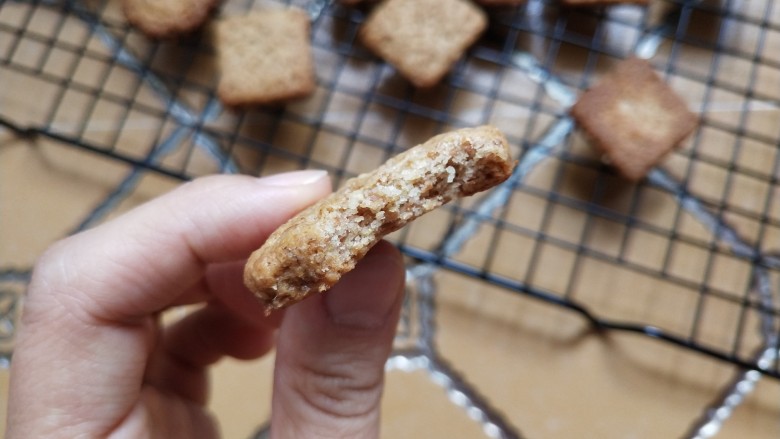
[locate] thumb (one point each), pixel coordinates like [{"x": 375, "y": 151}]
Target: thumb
[{"x": 332, "y": 350}]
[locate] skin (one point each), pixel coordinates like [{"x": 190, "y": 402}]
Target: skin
[{"x": 93, "y": 360}]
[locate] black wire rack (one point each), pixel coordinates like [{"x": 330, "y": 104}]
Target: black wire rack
[{"x": 711, "y": 209}]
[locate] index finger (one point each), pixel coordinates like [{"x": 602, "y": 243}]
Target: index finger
[{"x": 137, "y": 264}]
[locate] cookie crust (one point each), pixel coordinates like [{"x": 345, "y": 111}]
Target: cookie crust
[{"x": 310, "y": 252}]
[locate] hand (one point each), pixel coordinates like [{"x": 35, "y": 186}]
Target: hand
[{"x": 93, "y": 360}]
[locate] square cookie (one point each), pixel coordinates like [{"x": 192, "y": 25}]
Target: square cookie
[
  {"x": 265, "y": 57},
  {"x": 423, "y": 39},
  {"x": 634, "y": 117}
]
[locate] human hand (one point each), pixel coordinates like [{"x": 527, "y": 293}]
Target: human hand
[{"x": 92, "y": 359}]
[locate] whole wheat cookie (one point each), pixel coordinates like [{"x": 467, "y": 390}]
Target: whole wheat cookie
[
  {"x": 265, "y": 57},
  {"x": 310, "y": 252},
  {"x": 423, "y": 39},
  {"x": 167, "y": 18},
  {"x": 634, "y": 117}
]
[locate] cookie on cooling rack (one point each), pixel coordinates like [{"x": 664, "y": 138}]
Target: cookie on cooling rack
[
  {"x": 423, "y": 39},
  {"x": 265, "y": 57},
  {"x": 634, "y": 117},
  {"x": 161, "y": 19},
  {"x": 310, "y": 252}
]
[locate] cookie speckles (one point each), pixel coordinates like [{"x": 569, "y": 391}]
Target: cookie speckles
[
  {"x": 333, "y": 234},
  {"x": 265, "y": 57}
]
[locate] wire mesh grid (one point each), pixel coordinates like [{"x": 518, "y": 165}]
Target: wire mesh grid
[{"x": 701, "y": 235}]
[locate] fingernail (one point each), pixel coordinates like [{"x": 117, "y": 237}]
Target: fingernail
[
  {"x": 295, "y": 178},
  {"x": 365, "y": 297}
]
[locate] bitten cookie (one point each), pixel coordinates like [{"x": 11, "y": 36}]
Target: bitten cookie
[
  {"x": 310, "y": 252},
  {"x": 265, "y": 57},
  {"x": 167, "y": 18},
  {"x": 634, "y": 117},
  {"x": 422, "y": 39}
]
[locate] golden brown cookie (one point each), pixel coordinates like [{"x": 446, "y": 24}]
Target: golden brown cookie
[
  {"x": 310, "y": 252},
  {"x": 265, "y": 57},
  {"x": 423, "y": 39},
  {"x": 634, "y": 117},
  {"x": 167, "y": 18}
]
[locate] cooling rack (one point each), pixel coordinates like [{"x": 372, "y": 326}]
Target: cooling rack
[{"x": 709, "y": 209}]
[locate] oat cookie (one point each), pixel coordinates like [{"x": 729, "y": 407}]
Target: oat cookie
[
  {"x": 167, "y": 18},
  {"x": 423, "y": 39},
  {"x": 310, "y": 252},
  {"x": 265, "y": 57},
  {"x": 634, "y": 117}
]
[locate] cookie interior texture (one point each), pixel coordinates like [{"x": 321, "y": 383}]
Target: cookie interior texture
[{"x": 311, "y": 252}]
